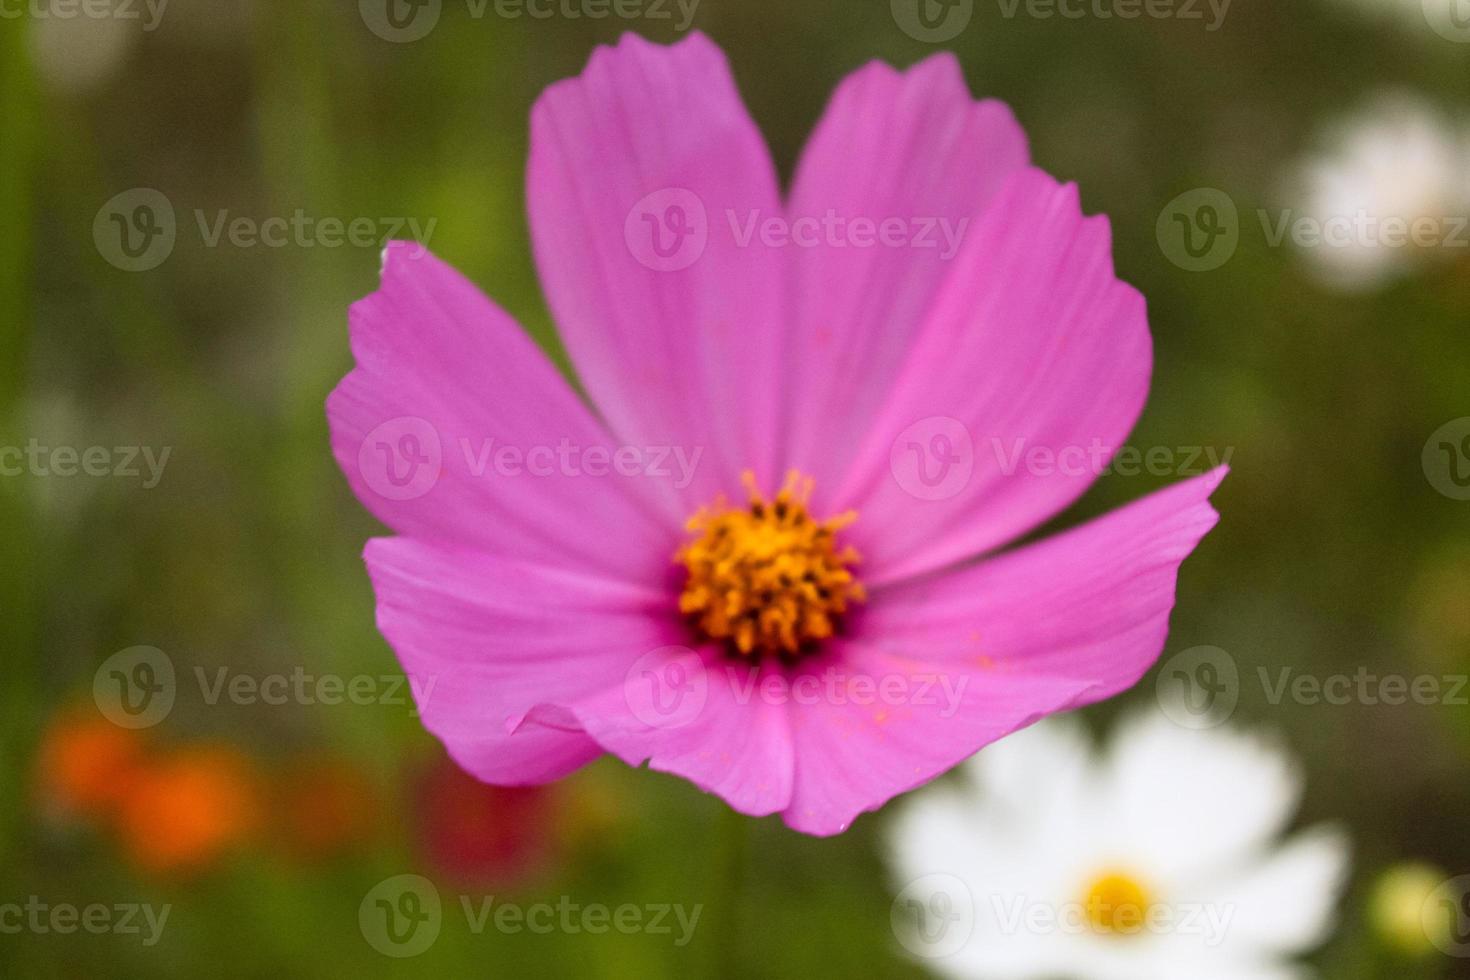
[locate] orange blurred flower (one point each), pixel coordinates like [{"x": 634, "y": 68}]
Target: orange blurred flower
[
  {"x": 324, "y": 806},
  {"x": 86, "y": 765},
  {"x": 189, "y": 808}
]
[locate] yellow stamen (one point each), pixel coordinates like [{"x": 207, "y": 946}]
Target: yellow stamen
[
  {"x": 1117, "y": 904},
  {"x": 767, "y": 578}
]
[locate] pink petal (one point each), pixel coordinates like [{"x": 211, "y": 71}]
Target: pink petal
[
  {"x": 485, "y": 639},
  {"x": 1032, "y": 345},
  {"x": 675, "y": 352},
  {"x": 1092, "y": 602},
  {"x": 1062, "y": 623},
  {"x": 445, "y": 377},
  {"x": 912, "y": 146},
  {"x": 721, "y": 734},
  {"x": 857, "y": 751}
]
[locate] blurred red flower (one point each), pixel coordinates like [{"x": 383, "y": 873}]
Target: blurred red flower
[{"x": 474, "y": 833}]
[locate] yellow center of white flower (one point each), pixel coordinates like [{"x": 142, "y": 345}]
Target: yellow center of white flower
[
  {"x": 1117, "y": 904},
  {"x": 767, "y": 578}
]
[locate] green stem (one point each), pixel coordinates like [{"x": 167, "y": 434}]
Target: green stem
[
  {"x": 19, "y": 625},
  {"x": 732, "y": 842}
]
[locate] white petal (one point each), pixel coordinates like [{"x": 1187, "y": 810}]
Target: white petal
[
  {"x": 1286, "y": 903},
  {"x": 1044, "y": 768},
  {"x": 1397, "y": 158},
  {"x": 1181, "y": 803},
  {"x": 1220, "y": 968},
  {"x": 1011, "y": 830}
]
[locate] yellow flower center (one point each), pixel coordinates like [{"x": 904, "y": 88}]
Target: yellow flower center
[
  {"x": 767, "y": 578},
  {"x": 1117, "y": 904}
]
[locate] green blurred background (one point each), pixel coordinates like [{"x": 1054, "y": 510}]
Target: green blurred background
[{"x": 1334, "y": 552}]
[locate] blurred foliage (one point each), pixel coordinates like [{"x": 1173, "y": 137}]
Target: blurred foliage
[{"x": 1333, "y": 553}]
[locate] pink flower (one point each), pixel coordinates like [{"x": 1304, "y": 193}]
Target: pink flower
[{"x": 568, "y": 580}]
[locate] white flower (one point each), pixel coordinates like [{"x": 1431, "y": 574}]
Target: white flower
[
  {"x": 1390, "y": 186},
  {"x": 77, "y": 48},
  {"x": 1446, "y": 17},
  {"x": 1158, "y": 860}
]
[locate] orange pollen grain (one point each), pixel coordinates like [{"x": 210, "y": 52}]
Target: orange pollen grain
[{"x": 768, "y": 578}]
